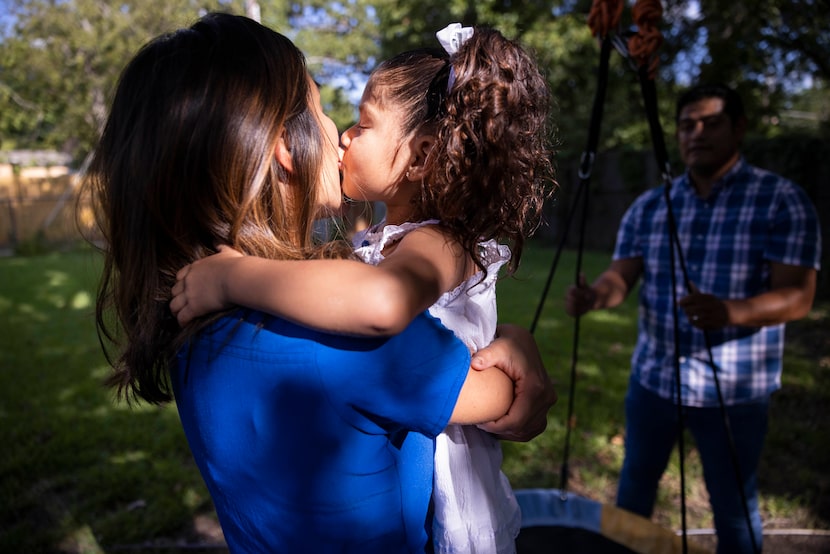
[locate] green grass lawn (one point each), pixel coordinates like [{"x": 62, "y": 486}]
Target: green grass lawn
[
  {"x": 76, "y": 469},
  {"x": 81, "y": 473}
]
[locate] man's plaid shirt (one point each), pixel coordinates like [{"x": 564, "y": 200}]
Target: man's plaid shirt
[{"x": 752, "y": 217}]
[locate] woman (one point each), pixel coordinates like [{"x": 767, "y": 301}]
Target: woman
[
  {"x": 481, "y": 109},
  {"x": 307, "y": 442}
]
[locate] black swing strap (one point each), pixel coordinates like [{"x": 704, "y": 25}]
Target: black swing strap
[{"x": 650, "y": 101}]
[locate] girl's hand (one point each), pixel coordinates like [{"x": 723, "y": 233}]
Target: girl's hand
[{"x": 200, "y": 286}]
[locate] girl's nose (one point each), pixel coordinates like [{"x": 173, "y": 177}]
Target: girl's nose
[{"x": 346, "y": 138}]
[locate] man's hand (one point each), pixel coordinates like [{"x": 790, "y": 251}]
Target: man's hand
[
  {"x": 514, "y": 351},
  {"x": 790, "y": 297},
  {"x": 579, "y": 298},
  {"x": 705, "y": 311}
]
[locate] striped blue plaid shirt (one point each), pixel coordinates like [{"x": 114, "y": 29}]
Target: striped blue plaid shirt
[{"x": 752, "y": 217}]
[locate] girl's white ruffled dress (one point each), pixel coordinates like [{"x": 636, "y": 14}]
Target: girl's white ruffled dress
[{"x": 476, "y": 511}]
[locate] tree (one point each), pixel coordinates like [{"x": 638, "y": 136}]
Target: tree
[
  {"x": 340, "y": 41},
  {"x": 768, "y": 49},
  {"x": 61, "y": 61}
]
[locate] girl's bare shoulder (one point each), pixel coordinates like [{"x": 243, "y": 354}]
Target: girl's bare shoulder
[{"x": 433, "y": 236}]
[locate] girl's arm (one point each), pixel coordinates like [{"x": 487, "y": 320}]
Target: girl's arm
[
  {"x": 342, "y": 296},
  {"x": 485, "y": 396}
]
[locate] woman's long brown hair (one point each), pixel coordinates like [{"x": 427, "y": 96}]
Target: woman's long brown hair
[{"x": 186, "y": 162}]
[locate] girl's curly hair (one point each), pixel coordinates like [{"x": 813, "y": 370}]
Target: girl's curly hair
[{"x": 490, "y": 169}]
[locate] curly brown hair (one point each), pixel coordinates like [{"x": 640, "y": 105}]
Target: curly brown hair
[{"x": 490, "y": 170}]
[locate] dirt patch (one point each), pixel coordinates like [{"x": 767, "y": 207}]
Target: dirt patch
[{"x": 782, "y": 542}]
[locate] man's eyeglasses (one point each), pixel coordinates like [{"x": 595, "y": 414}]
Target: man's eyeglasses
[{"x": 687, "y": 125}]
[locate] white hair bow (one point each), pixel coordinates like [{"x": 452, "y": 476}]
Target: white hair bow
[{"x": 451, "y": 38}]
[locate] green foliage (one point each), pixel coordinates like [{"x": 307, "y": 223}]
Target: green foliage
[
  {"x": 809, "y": 111},
  {"x": 62, "y": 59},
  {"x": 765, "y": 49},
  {"x": 338, "y": 107},
  {"x": 340, "y": 42},
  {"x": 35, "y": 246},
  {"x": 801, "y": 157}
]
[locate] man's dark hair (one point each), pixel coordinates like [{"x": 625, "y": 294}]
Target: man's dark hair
[{"x": 733, "y": 106}]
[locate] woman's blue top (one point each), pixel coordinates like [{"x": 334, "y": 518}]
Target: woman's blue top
[{"x": 310, "y": 442}]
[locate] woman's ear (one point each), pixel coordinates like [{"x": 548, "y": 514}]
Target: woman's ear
[
  {"x": 283, "y": 155},
  {"x": 421, "y": 146}
]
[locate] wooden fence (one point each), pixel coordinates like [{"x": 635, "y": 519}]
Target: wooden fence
[{"x": 38, "y": 208}]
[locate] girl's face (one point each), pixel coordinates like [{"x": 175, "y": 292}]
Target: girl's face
[
  {"x": 376, "y": 155},
  {"x": 330, "y": 196}
]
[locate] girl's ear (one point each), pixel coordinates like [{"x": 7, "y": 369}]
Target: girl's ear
[
  {"x": 283, "y": 155},
  {"x": 421, "y": 145}
]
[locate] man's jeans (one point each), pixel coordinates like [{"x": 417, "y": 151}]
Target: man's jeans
[{"x": 651, "y": 433}]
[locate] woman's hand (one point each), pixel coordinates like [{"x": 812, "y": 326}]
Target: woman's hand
[
  {"x": 514, "y": 351},
  {"x": 200, "y": 286}
]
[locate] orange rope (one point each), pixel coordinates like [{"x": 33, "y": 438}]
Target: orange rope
[
  {"x": 643, "y": 46},
  {"x": 604, "y": 16}
]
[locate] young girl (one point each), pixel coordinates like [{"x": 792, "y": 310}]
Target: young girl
[{"x": 457, "y": 148}]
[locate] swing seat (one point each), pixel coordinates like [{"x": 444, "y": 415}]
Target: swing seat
[{"x": 563, "y": 523}]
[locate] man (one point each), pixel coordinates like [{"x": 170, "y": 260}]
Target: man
[{"x": 751, "y": 245}]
